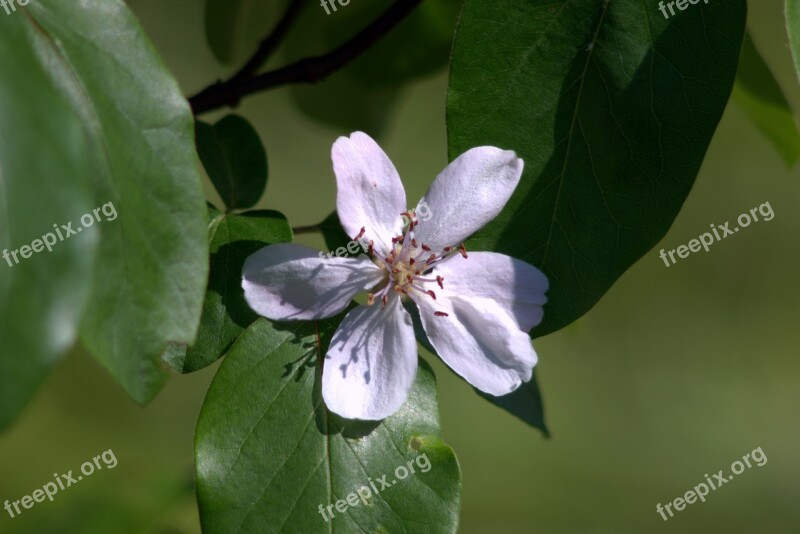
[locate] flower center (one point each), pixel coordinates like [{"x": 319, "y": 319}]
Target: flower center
[{"x": 407, "y": 265}]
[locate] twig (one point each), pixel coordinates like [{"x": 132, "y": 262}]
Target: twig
[
  {"x": 270, "y": 43},
  {"x": 308, "y": 70}
]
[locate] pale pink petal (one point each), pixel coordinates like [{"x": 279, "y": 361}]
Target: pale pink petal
[
  {"x": 287, "y": 281},
  {"x": 369, "y": 192},
  {"x": 479, "y": 341},
  {"x": 371, "y": 363},
  {"x": 518, "y": 287},
  {"x": 469, "y": 193}
]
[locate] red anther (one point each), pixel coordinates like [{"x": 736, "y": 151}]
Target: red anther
[
  {"x": 371, "y": 299},
  {"x": 395, "y": 271},
  {"x": 433, "y": 257},
  {"x": 411, "y": 261},
  {"x": 414, "y": 223},
  {"x": 441, "y": 314},
  {"x": 410, "y": 279},
  {"x": 389, "y": 260},
  {"x": 407, "y": 215},
  {"x": 413, "y": 242},
  {"x": 371, "y": 247},
  {"x": 440, "y": 280},
  {"x": 426, "y": 248},
  {"x": 447, "y": 249},
  {"x": 432, "y": 294},
  {"x": 396, "y": 240},
  {"x": 384, "y": 299},
  {"x": 360, "y": 234},
  {"x": 463, "y": 250}
]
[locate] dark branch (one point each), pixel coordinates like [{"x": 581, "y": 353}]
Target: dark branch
[
  {"x": 308, "y": 70},
  {"x": 271, "y": 42}
]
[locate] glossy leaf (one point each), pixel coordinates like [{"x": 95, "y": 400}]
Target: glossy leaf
[
  {"x": 611, "y": 106},
  {"x": 235, "y": 160},
  {"x": 152, "y": 263},
  {"x": 226, "y": 314},
  {"x": 758, "y": 94},
  {"x": 269, "y": 455},
  {"x": 44, "y": 180}
]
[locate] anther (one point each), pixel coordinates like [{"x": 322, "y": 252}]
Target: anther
[
  {"x": 426, "y": 248},
  {"x": 440, "y": 280},
  {"x": 371, "y": 299},
  {"x": 432, "y": 294},
  {"x": 441, "y": 314},
  {"x": 463, "y": 250},
  {"x": 360, "y": 234}
]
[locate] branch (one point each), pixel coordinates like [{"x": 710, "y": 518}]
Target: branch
[
  {"x": 308, "y": 70},
  {"x": 271, "y": 42}
]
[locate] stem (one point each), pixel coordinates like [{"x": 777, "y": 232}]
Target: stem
[
  {"x": 307, "y": 229},
  {"x": 308, "y": 70}
]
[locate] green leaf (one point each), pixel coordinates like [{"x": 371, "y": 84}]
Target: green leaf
[
  {"x": 235, "y": 27},
  {"x": 234, "y": 159},
  {"x": 793, "y": 29},
  {"x": 758, "y": 94},
  {"x": 226, "y": 313},
  {"x": 269, "y": 455},
  {"x": 611, "y": 106},
  {"x": 44, "y": 180},
  {"x": 152, "y": 263},
  {"x": 524, "y": 403}
]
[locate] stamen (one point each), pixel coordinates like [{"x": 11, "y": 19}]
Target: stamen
[
  {"x": 440, "y": 280},
  {"x": 413, "y": 242},
  {"x": 426, "y": 248},
  {"x": 463, "y": 250},
  {"x": 371, "y": 247},
  {"x": 447, "y": 249},
  {"x": 432, "y": 294},
  {"x": 441, "y": 314},
  {"x": 360, "y": 234}
]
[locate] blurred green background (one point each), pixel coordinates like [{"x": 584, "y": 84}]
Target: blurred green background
[{"x": 676, "y": 373}]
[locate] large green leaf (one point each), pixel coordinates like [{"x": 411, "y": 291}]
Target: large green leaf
[
  {"x": 235, "y": 160},
  {"x": 226, "y": 313},
  {"x": 793, "y": 29},
  {"x": 611, "y": 106},
  {"x": 758, "y": 94},
  {"x": 44, "y": 180},
  {"x": 269, "y": 455},
  {"x": 152, "y": 263}
]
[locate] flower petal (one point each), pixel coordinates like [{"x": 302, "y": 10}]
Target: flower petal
[
  {"x": 287, "y": 281},
  {"x": 479, "y": 341},
  {"x": 518, "y": 287},
  {"x": 369, "y": 192},
  {"x": 371, "y": 363},
  {"x": 469, "y": 193}
]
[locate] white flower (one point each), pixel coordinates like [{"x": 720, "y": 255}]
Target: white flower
[{"x": 476, "y": 308}]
